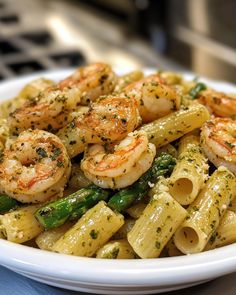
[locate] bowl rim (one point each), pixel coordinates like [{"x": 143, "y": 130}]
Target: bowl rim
[{"x": 143, "y": 272}]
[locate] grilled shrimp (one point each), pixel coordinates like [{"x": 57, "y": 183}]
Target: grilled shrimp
[
  {"x": 109, "y": 119},
  {"x": 27, "y": 93},
  {"x": 218, "y": 103},
  {"x": 155, "y": 98},
  {"x": 50, "y": 109},
  {"x": 218, "y": 139},
  {"x": 34, "y": 167},
  {"x": 92, "y": 81},
  {"x": 131, "y": 158}
]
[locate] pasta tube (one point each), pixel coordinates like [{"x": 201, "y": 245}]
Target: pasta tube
[
  {"x": 173, "y": 126},
  {"x": 123, "y": 231},
  {"x": 225, "y": 234},
  {"x": 136, "y": 210},
  {"x": 47, "y": 239},
  {"x": 2, "y": 236},
  {"x": 205, "y": 212},
  {"x": 171, "y": 249},
  {"x": 91, "y": 232},
  {"x": 171, "y": 78},
  {"x": 156, "y": 225},
  {"x": 119, "y": 249},
  {"x": 169, "y": 149},
  {"x": 4, "y": 132},
  {"x": 190, "y": 172},
  {"x": 161, "y": 186},
  {"x": 20, "y": 225},
  {"x": 232, "y": 205},
  {"x": 77, "y": 178}
]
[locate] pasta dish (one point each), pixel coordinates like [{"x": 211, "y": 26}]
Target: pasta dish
[{"x": 118, "y": 167}]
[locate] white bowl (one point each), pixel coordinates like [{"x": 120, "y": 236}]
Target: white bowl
[{"x": 144, "y": 276}]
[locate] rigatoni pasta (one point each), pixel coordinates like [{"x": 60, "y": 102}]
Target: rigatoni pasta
[
  {"x": 190, "y": 172},
  {"x": 123, "y": 231},
  {"x": 171, "y": 249},
  {"x": 205, "y": 213},
  {"x": 169, "y": 149},
  {"x": 156, "y": 225},
  {"x": 225, "y": 233},
  {"x": 232, "y": 205},
  {"x": 20, "y": 225},
  {"x": 116, "y": 249},
  {"x": 47, "y": 239},
  {"x": 136, "y": 210},
  {"x": 175, "y": 125},
  {"x": 91, "y": 232}
]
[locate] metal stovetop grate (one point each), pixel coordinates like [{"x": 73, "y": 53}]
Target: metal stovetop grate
[{"x": 26, "y": 47}]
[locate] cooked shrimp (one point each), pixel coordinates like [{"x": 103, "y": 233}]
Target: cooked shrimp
[
  {"x": 34, "y": 167},
  {"x": 218, "y": 103},
  {"x": 27, "y": 93},
  {"x": 131, "y": 158},
  {"x": 50, "y": 109},
  {"x": 155, "y": 98},
  {"x": 218, "y": 139},
  {"x": 109, "y": 119},
  {"x": 92, "y": 81}
]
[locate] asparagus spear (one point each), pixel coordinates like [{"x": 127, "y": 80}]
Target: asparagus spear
[
  {"x": 193, "y": 93},
  {"x": 72, "y": 207},
  {"x": 7, "y": 203},
  {"x": 125, "y": 198}
]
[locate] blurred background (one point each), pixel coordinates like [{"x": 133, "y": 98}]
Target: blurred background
[{"x": 179, "y": 35}]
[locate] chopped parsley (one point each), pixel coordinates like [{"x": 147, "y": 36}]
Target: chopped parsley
[
  {"x": 41, "y": 152},
  {"x": 55, "y": 153},
  {"x": 93, "y": 234}
]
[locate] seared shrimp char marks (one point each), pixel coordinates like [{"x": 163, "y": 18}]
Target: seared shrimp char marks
[
  {"x": 109, "y": 119},
  {"x": 155, "y": 98},
  {"x": 131, "y": 158},
  {"x": 218, "y": 138},
  {"x": 34, "y": 167},
  {"x": 50, "y": 109},
  {"x": 219, "y": 104}
]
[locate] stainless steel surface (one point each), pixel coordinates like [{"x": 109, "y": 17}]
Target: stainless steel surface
[
  {"x": 202, "y": 36},
  {"x": 26, "y": 41},
  {"x": 73, "y": 27}
]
